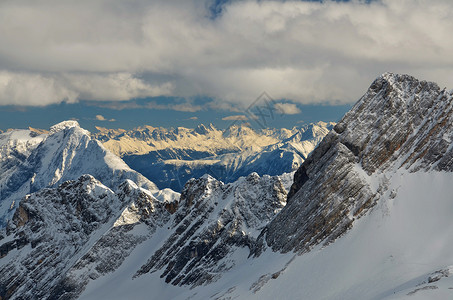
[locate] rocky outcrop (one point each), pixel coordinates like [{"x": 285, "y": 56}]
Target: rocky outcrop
[
  {"x": 212, "y": 221},
  {"x": 399, "y": 123},
  {"x": 80, "y": 225},
  {"x": 61, "y": 239},
  {"x": 48, "y": 231}
]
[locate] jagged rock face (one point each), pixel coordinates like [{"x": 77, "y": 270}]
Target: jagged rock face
[
  {"x": 48, "y": 231},
  {"x": 116, "y": 244},
  {"x": 53, "y": 229},
  {"x": 399, "y": 122},
  {"x": 212, "y": 221},
  {"x": 66, "y": 153},
  {"x": 410, "y": 121}
]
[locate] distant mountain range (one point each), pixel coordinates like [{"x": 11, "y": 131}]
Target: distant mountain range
[{"x": 170, "y": 157}]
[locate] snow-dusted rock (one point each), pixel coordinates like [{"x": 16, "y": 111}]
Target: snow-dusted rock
[
  {"x": 212, "y": 221},
  {"x": 61, "y": 239},
  {"x": 50, "y": 230}
]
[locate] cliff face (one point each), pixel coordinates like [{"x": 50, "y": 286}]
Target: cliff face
[{"x": 399, "y": 123}]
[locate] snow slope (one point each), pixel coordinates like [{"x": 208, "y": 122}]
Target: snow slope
[{"x": 390, "y": 254}]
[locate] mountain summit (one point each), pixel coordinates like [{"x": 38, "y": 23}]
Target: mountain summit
[
  {"x": 31, "y": 162},
  {"x": 400, "y": 123}
]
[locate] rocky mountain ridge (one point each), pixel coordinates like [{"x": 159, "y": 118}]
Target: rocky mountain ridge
[
  {"x": 203, "y": 139},
  {"x": 53, "y": 228},
  {"x": 411, "y": 128}
]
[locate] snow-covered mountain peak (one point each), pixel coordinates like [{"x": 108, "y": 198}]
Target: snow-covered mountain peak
[
  {"x": 202, "y": 129},
  {"x": 198, "y": 189},
  {"x": 67, "y": 152},
  {"x": 64, "y": 125},
  {"x": 237, "y": 130},
  {"x": 18, "y": 144}
]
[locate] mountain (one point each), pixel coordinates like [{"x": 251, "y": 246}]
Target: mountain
[
  {"x": 62, "y": 239},
  {"x": 171, "y": 157},
  {"x": 368, "y": 216},
  {"x": 205, "y": 140},
  {"x": 52, "y": 229},
  {"x": 411, "y": 131},
  {"x": 30, "y": 162}
]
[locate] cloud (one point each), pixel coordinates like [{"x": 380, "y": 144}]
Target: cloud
[
  {"x": 34, "y": 89},
  {"x": 102, "y": 118},
  {"x": 287, "y": 108},
  {"x": 235, "y": 118},
  {"x": 308, "y": 52},
  {"x": 186, "y": 107},
  {"x": 193, "y": 118}
]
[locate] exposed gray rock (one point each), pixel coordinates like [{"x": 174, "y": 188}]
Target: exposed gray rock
[
  {"x": 399, "y": 123},
  {"x": 81, "y": 223},
  {"x": 212, "y": 220}
]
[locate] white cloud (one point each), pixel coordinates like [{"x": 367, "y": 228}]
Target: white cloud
[
  {"x": 287, "y": 108},
  {"x": 100, "y": 118},
  {"x": 116, "y": 86},
  {"x": 32, "y": 89},
  {"x": 186, "y": 107},
  {"x": 39, "y": 90},
  {"x": 309, "y": 52},
  {"x": 235, "y": 118}
]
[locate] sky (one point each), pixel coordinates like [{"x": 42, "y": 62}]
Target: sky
[{"x": 120, "y": 63}]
